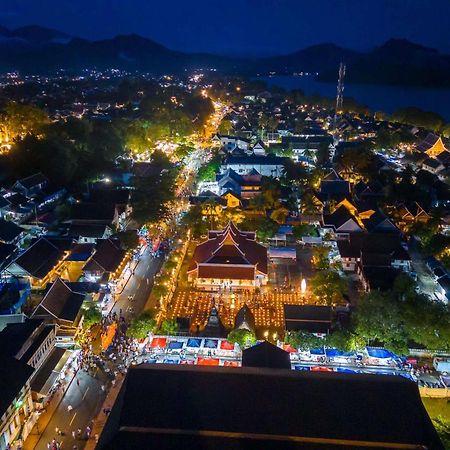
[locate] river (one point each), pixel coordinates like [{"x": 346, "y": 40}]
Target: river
[{"x": 376, "y": 97}]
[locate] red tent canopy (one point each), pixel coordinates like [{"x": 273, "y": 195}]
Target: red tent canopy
[
  {"x": 288, "y": 348},
  {"x": 321, "y": 369},
  {"x": 207, "y": 361},
  {"x": 231, "y": 364},
  {"x": 159, "y": 342},
  {"x": 225, "y": 345}
]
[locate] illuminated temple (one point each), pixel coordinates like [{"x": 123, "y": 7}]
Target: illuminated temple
[{"x": 229, "y": 260}]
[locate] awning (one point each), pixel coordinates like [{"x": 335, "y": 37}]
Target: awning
[
  {"x": 175, "y": 345},
  {"x": 210, "y": 343},
  {"x": 49, "y": 372},
  {"x": 231, "y": 363},
  {"x": 194, "y": 343},
  {"x": 158, "y": 342},
  {"x": 207, "y": 362},
  {"x": 225, "y": 345}
]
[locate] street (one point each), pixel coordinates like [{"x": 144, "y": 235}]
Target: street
[{"x": 86, "y": 400}]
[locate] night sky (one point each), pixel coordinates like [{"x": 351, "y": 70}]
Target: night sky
[{"x": 241, "y": 26}]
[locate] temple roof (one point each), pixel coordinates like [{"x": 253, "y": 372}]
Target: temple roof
[{"x": 230, "y": 247}]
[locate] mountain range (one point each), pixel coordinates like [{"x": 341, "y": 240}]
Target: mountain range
[{"x": 34, "y": 49}]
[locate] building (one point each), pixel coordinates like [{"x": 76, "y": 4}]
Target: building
[
  {"x": 16, "y": 405},
  {"x": 62, "y": 306},
  {"x": 310, "y": 318},
  {"x": 432, "y": 145},
  {"x": 42, "y": 262},
  {"x": 360, "y": 245},
  {"x": 341, "y": 222},
  {"x": 232, "y": 142},
  {"x": 229, "y": 259},
  {"x": 259, "y": 408},
  {"x": 268, "y": 166},
  {"x": 31, "y": 185},
  {"x": 266, "y": 355},
  {"x": 107, "y": 262},
  {"x": 10, "y": 233}
]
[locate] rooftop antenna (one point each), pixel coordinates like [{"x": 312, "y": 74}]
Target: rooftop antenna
[{"x": 339, "y": 96}]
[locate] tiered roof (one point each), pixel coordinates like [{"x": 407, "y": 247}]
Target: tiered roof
[{"x": 229, "y": 253}]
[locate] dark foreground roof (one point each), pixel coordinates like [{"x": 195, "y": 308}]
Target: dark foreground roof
[
  {"x": 267, "y": 355},
  {"x": 13, "y": 376},
  {"x": 191, "y": 407}
]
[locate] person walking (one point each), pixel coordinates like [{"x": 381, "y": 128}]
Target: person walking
[
  {"x": 74, "y": 434},
  {"x": 57, "y": 431}
]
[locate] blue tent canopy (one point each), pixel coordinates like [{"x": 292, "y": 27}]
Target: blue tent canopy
[
  {"x": 194, "y": 343},
  {"x": 211, "y": 343},
  {"x": 175, "y": 345}
]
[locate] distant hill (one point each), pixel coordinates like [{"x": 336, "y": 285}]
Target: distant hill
[
  {"x": 397, "y": 62},
  {"x": 35, "y": 49}
]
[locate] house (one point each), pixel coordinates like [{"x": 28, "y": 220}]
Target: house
[
  {"x": 17, "y": 415},
  {"x": 259, "y": 149},
  {"x": 433, "y": 165},
  {"x": 62, "y": 306},
  {"x": 333, "y": 190},
  {"x": 34, "y": 342},
  {"x": 341, "y": 222},
  {"x": 353, "y": 250},
  {"x": 31, "y": 185},
  {"x": 261, "y": 408},
  {"x": 229, "y": 259},
  {"x": 432, "y": 145},
  {"x": 91, "y": 213},
  {"x": 409, "y": 213},
  {"x": 232, "y": 200},
  {"x": 212, "y": 204},
  {"x": 30, "y": 341},
  {"x": 10, "y": 233},
  {"x": 380, "y": 276},
  {"x": 268, "y": 166},
  {"x": 247, "y": 185},
  {"x": 107, "y": 262},
  {"x": 232, "y": 142},
  {"x": 42, "y": 262},
  {"x": 310, "y": 318},
  {"x": 89, "y": 233},
  {"x": 378, "y": 222}
]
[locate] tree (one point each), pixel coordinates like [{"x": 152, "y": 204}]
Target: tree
[
  {"x": 310, "y": 204},
  {"x": 345, "y": 340},
  {"x": 160, "y": 290},
  {"x": 193, "y": 219},
  {"x": 379, "y": 319},
  {"x": 129, "y": 239},
  {"x": 264, "y": 227},
  {"x": 303, "y": 340},
  {"x": 320, "y": 259},
  {"x": 169, "y": 327},
  {"x": 442, "y": 426},
  {"x": 328, "y": 286},
  {"x": 141, "y": 326},
  {"x": 243, "y": 337},
  {"x": 280, "y": 215},
  {"x": 417, "y": 117},
  {"x": 304, "y": 229},
  {"x": 225, "y": 126}
]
